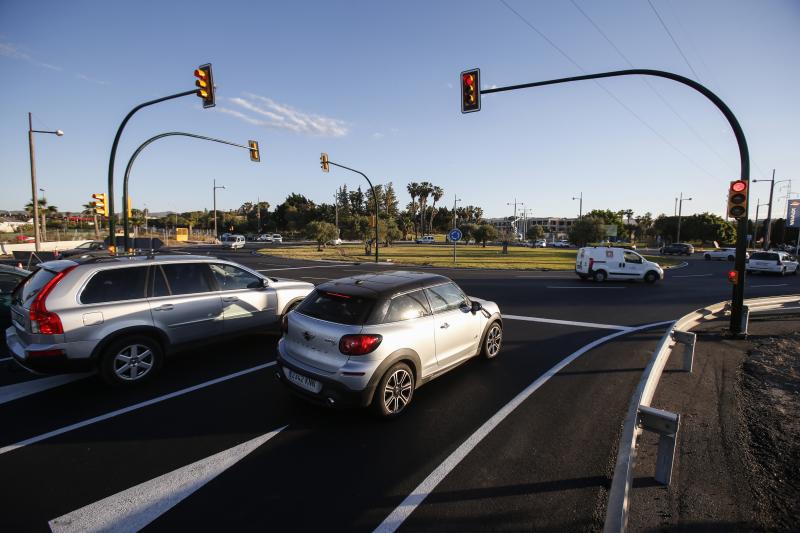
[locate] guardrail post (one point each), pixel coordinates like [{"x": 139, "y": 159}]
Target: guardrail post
[
  {"x": 666, "y": 424},
  {"x": 688, "y": 340}
]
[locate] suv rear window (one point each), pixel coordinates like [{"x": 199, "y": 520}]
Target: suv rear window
[
  {"x": 337, "y": 307},
  {"x": 764, "y": 256},
  {"x": 115, "y": 285},
  {"x": 34, "y": 285}
]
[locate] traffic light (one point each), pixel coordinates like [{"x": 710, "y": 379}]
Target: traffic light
[
  {"x": 100, "y": 206},
  {"x": 471, "y": 90},
  {"x": 205, "y": 84},
  {"x": 255, "y": 155},
  {"x": 130, "y": 214},
  {"x": 323, "y": 162},
  {"x": 733, "y": 277},
  {"x": 737, "y": 199}
]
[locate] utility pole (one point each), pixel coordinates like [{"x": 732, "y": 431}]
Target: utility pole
[
  {"x": 336, "y": 208},
  {"x": 258, "y": 212},
  {"x": 768, "y": 221},
  {"x": 35, "y": 200},
  {"x": 675, "y": 212},
  {"x": 514, "y": 220},
  {"x": 680, "y": 209},
  {"x": 580, "y": 205},
  {"x": 216, "y": 233}
]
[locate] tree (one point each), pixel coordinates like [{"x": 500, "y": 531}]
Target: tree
[
  {"x": 609, "y": 217},
  {"x": 406, "y": 225},
  {"x": 413, "y": 191},
  {"x": 88, "y": 209},
  {"x": 388, "y": 231},
  {"x": 586, "y": 230},
  {"x": 390, "y": 201},
  {"x": 425, "y": 190},
  {"x": 436, "y": 193},
  {"x": 535, "y": 233},
  {"x": 321, "y": 232},
  {"x": 468, "y": 230},
  {"x": 484, "y": 233}
]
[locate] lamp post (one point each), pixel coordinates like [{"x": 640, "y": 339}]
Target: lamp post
[
  {"x": 31, "y": 131},
  {"x": 680, "y": 209},
  {"x": 755, "y": 224},
  {"x": 580, "y": 205},
  {"x": 216, "y": 234},
  {"x": 456, "y": 199},
  {"x": 44, "y": 215},
  {"x": 768, "y": 221}
]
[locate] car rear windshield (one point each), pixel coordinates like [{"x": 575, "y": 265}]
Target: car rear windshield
[
  {"x": 337, "y": 307},
  {"x": 764, "y": 256},
  {"x": 33, "y": 286}
]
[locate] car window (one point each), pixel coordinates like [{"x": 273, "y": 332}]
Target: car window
[
  {"x": 231, "y": 278},
  {"x": 631, "y": 257},
  {"x": 186, "y": 278},
  {"x": 115, "y": 285},
  {"x": 8, "y": 281},
  {"x": 405, "y": 307},
  {"x": 764, "y": 256},
  {"x": 337, "y": 307},
  {"x": 446, "y": 297},
  {"x": 33, "y": 285}
]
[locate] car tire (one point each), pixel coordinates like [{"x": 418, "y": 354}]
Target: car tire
[
  {"x": 731, "y": 258},
  {"x": 707, "y": 257},
  {"x": 583, "y": 277},
  {"x": 394, "y": 392},
  {"x": 600, "y": 276},
  {"x": 492, "y": 341},
  {"x": 130, "y": 360},
  {"x": 651, "y": 276},
  {"x": 783, "y": 271}
]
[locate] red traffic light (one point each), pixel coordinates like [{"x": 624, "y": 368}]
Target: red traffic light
[
  {"x": 738, "y": 186},
  {"x": 733, "y": 277},
  {"x": 470, "y": 91}
]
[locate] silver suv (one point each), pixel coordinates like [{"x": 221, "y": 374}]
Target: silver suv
[
  {"x": 373, "y": 339},
  {"x": 121, "y": 315}
]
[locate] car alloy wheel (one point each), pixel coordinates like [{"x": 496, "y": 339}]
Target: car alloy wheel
[
  {"x": 130, "y": 360},
  {"x": 397, "y": 391},
  {"x": 133, "y": 362},
  {"x": 493, "y": 342}
]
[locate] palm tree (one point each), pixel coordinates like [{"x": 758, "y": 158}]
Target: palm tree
[
  {"x": 44, "y": 209},
  {"x": 425, "y": 189},
  {"x": 88, "y": 209},
  {"x": 437, "y": 193},
  {"x": 413, "y": 191}
]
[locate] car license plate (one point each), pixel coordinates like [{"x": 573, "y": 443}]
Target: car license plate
[{"x": 304, "y": 382}]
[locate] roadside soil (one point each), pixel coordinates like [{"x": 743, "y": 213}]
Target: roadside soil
[{"x": 737, "y": 462}]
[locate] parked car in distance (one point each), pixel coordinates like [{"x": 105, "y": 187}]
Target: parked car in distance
[
  {"x": 10, "y": 277},
  {"x": 540, "y": 244},
  {"x": 373, "y": 339},
  {"x": 276, "y": 237},
  {"x": 677, "y": 248},
  {"x": 86, "y": 248},
  {"x": 122, "y": 315},
  {"x": 265, "y": 237},
  {"x": 602, "y": 263},
  {"x": 723, "y": 254},
  {"x": 234, "y": 242},
  {"x": 560, "y": 244},
  {"x": 775, "y": 262},
  {"x": 335, "y": 242},
  {"x": 425, "y": 239}
]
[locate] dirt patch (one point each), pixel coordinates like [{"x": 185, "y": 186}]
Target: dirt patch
[{"x": 770, "y": 401}]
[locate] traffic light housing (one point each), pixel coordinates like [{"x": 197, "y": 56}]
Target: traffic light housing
[
  {"x": 130, "y": 211},
  {"x": 323, "y": 162},
  {"x": 471, "y": 90},
  {"x": 100, "y": 205},
  {"x": 733, "y": 277},
  {"x": 205, "y": 84},
  {"x": 255, "y": 154},
  {"x": 737, "y": 199}
]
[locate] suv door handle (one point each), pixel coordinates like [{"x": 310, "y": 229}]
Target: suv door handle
[
  {"x": 230, "y": 299},
  {"x": 445, "y": 326},
  {"x": 165, "y": 307}
]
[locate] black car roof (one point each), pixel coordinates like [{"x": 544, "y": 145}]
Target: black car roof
[{"x": 383, "y": 284}]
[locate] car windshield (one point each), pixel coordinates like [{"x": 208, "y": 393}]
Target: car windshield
[
  {"x": 764, "y": 256},
  {"x": 33, "y": 286},
  {"x": 337, "y": 307},
  {"x": 85, "y": 245}
]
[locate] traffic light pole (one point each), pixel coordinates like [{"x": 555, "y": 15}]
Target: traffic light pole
[
  {"x": 737, "y": 300},
  {"x": 112, "y": 223},
  {"x": 374, "y": 197},
  {"x": 136, "y": 154}
]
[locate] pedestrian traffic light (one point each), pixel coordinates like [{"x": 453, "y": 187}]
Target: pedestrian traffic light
[
  {"x": 100, "y": 206},
  {"x": 471, "y": 91},
  {"x": 255, "y": 155},
  {"x": 323, "y": 162},
  {"x": 733, "y": 277},
  {"x": 205, "y": 84},
  {"x": 737, "y": 199}
]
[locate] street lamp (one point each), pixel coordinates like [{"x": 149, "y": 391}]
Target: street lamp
[
  {"x": 31, "y": 131},
  {"x": 215, "y": 206},
  {"x": 680, "y": 208},
  {"x": 768, "y": 222},
  {"x": 580, "y": 208},
  {"x": 755, "y": 224}
]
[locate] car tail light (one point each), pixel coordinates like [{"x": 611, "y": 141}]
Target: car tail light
[
  {"x": 285, "y": 324},
  {"x": 43, "y": 321},
  {"x": 359, "y": 344}
]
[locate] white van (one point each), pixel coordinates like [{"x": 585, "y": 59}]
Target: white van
[
  {"x": 601, "y": 263},
  {"x": 426, "y": 239},
  {"x": 233, "y": 241}
]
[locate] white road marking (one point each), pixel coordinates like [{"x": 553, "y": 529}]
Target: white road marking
[
  {"x": 13, "y": 392},
  {"x": 3, "y": 359},
  {"x": 413, "y": 500},
  {"x": 136, "y": 507},
  {"x": 134, "y": 407},
  {"x": 304, "y": 267},
  {"x": 566, "y": 322},
  {"x": 584, "y": 287},
  {"x": 313, "y": 277},
  {"x": 778, "y": 285},
  {"x": 692, "y": 276},
  {"x": 676, "y": 267}
]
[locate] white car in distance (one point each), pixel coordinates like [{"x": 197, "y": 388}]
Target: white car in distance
[
  {"x": 722, "y": 254},
  {"x": 775, "y": 262}
]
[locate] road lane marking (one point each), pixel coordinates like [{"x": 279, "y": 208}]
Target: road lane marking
[
  {"x": 424, "y": 489},
  {"x": 584, "y": 287},
  {"x": 9, "y": 393},
  {"x": 692, "y": 276},
  {"x": 305, "y": 267},
  {"x": 136, "y": 507},
  {"x": 134, "y": 407},
  {"x": 313, "y": 277},
  {"x": 778, "y": 285},
  {"x": 4, "y": 359},
  {"x": 567, "y": 322}
]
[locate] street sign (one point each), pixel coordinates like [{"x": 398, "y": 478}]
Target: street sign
[
  {"x": 793, "y": 213},
  {"x": 454, "y": 235}
]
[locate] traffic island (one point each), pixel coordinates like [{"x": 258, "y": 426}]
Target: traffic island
[{"x": 736, "y": 463}]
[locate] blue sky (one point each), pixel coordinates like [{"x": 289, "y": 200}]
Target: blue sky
[{"x": 374, "y": 84}]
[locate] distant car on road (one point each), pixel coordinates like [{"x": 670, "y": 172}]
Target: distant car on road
[
  {"x": 87, "y": 248},
  {"x": 276, "y": 237},
  {"x": 775, "y": 262},
  {"x": 426, "y": 239},
  {"x": 677, "y": 248},
  {"x": 266, "y": 237},
  {"x": 723, "y": 254},
  {"x": 234, "y": 242},
  {"x": 602, "y": 263},
  {"x": 121, "y": 315},
  {"x": 560, "y": 244},
  {"x": 372, "y": 340}
]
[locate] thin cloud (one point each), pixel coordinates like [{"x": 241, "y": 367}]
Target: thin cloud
[
  {"x": 266, "y": 112},
  {"x": 11, "y": 51},
  {"x": 378, "y": 135},
  {"x": 84, "y": 77}
]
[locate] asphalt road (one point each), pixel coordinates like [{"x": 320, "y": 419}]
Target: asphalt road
[{"x": 524, "y": 441}]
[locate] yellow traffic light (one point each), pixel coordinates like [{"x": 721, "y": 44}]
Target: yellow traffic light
[
  {"x": 255, "y": 155},
  {"x": 323, "y": 162},
  {"x": 100, "y": 205},
  {"x": 205, "y": 84},
  {"x": 130, "y": 214}
]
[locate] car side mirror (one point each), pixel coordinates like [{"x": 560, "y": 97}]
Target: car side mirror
[
  {"x": 265, "y": 283},
  {"x": 476, "y": 306}
]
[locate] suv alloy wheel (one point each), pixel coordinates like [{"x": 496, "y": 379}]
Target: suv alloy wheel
[{"x": 130, "y": 360}]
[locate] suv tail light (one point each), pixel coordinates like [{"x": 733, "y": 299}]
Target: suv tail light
[
  {"x": 43, "y": 321},
  {"x": 359, "y": 344}
]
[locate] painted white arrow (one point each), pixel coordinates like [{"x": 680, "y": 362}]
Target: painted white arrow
[{"x": 134, "y": 508}]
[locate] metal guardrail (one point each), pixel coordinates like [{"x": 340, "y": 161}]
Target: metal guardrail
[{"x": 642, "y": 417}]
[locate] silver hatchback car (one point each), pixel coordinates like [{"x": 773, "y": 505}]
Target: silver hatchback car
[
  {"x": 121, "y": 315},
  {"x": 373, "y": 339}
]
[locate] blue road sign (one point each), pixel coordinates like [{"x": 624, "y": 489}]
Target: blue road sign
[{"x": 455, "y": 235}]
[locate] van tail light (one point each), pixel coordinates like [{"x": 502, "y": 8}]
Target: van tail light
[
  {"x": 359, "y": 344},
  {"x": 285, "y": 324},
  {"x": 43, "y": 321}
]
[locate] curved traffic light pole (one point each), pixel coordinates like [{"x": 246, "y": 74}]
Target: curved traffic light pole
[
  {"x": 374, "y": 197},
  {"x": 136, "y": 154},
  {"x": 737, "y": 300}
]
